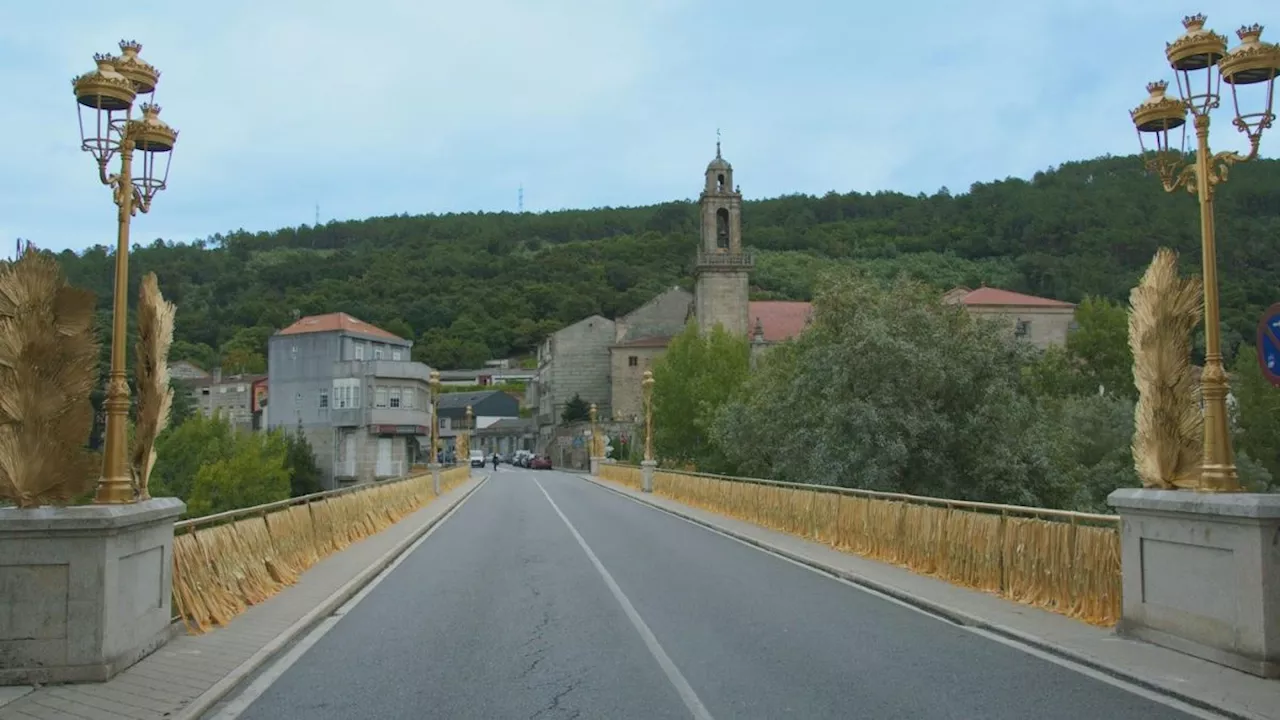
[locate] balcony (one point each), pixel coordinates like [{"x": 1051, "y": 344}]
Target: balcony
[
  {"x": 360, "y": 417},
  {"x": 725, "y": 260},
  {"x": 395, "y": 369}
]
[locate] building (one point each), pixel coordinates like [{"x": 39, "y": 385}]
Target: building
[
  {"x": 574, "y": 361},
  {"x": 604, "y": 361},
  {"x": 1039, "y": 321},
  {"x": 230, "y": 396},
  {"x": 352, "y": 390},
  {"x": 488, "y": 407},
  {"x": 187, "y": 371},
  {"x": 507, "y": 436}
]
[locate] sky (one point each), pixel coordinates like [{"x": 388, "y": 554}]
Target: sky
[{"x": 387, "y": 107}]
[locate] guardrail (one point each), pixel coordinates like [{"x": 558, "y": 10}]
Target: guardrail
[
  {"x": 225, "y": 562},
  {"x": 1059, "y": 560}
]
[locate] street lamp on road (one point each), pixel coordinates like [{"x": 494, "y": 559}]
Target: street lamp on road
[
  {"x": 106, "y": 95},
  {"x": 1201, "y": 62}
]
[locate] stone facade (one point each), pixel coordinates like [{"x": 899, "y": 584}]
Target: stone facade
[
  {"x": 629, "y": 363},
  {"x": 723, "y": 268},
  {"x": 1040, "y": 321},
  {"x": 574, "y": 361}
]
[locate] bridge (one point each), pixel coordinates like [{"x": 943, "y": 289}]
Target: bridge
[{"x": 518, "y": 593}]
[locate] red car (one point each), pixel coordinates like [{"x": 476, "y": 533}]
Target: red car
[{"x": 540, "y": 462}]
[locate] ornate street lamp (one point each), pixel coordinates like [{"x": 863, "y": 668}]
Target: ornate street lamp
[
  {"x": 106, "y": 95},
  {"x": 434, "y": 383},
  {"x": 1200, "y": 62},
  {"x": 648, "y": 464}
]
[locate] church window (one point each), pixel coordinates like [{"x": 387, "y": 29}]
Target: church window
[
  {"x": 722, "y": 229},
  {"x": 720, "y": 182},
  {"x": 633, "y": 361}
]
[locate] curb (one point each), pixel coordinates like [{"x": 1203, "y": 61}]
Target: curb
[
  {"x": 211, "y": 697},
  {"x": 937, "y": 609}
]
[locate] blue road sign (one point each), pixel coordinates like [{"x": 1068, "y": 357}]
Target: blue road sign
[{"x": 1269, "y": 344}]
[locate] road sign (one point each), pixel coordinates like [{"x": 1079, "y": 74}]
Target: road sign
[{"x": 1269, "y": 344}]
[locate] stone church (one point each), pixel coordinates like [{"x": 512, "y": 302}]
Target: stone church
[{"x": 603, "y": 361}]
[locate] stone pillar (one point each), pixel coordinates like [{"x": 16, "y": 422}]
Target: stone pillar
[
  {"x": 595, "y": 465},
  {"x": 87, "y": 590},
  {"x": 435, "y": 477},
  {"x": 646, "y": 475},
  {"x": 1202, "y": 574}
]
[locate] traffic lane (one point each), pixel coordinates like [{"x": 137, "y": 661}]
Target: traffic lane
[
  {"x": 760, "y": 637},
  {"x": 499, "y": 614}
]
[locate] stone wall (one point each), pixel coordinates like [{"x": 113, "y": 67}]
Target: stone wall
[
  {"x": 722, "y": 298},
  {"x": 1044, "y": 326},
  {"x": 578, "y": 364},
  {"x": 628, "y": 394}
]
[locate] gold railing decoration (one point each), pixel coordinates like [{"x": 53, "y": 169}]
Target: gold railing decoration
[
  {"x": 226, "y": 562},
  {"x": 1066, "y": 562}
]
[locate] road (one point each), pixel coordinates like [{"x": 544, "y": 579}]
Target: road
[{"x": 545, "y": 596}]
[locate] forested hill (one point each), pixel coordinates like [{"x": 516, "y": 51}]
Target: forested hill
[{"x": 474, "y": 286}]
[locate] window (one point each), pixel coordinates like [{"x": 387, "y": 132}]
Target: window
[
  {"x": 722, "y": 229},
  {"x": 1022, "y": 329},
  {"x": 297, "y": 399},
  {"x": 720, "y": 182},
  {"x": 409, "y": 394},
  {"x": 324, "y": 399},
  {"x": 633, "y": 361},
  {"x": 346, "y": 393},
  {"x": 394, "y": 397},
  {"x": 358, "y": 350},
  {"x": 380, "y": 397},
  {"x": 377, "y": 352},
  {"x": 395, "y": 355}
]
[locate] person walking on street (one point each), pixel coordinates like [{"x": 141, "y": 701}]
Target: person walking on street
[{"x": 495, "y": 462}]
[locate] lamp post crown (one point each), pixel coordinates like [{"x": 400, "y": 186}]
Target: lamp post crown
[
  {"x": 151, "y": 134},
  {"x": 104, "y": 88},
  {"x": 142, "y": 74},
  {"x": 1197, "y": 48},
  {"x": 1252, "y": 61},
  {"x": 1159, "y": 112}
]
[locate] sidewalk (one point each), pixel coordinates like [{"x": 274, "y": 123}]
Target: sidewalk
[
  {"x": 1191, "y": 680},
  {"x": 191, "y": 673}
]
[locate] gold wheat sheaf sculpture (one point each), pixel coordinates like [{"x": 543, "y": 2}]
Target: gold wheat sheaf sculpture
[
  {"x": 1165, "y": 310},
  {"x": 151, "y": 373},
  {"x": 48, "y": 368}
]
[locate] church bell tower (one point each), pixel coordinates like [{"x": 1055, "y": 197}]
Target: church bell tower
[{"x": 723, "y": 268}]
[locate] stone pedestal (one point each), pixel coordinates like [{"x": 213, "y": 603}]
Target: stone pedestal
[
  {"x": 85, "y": 591},
  {"x": 646, "y": 475},
  {"x": 435, "y": 478},
  {"x": 1202, "y": 574},
  {"x": 595, "y": 466}
]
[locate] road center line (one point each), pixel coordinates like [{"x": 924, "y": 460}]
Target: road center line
[{"x": 650, "y": 640}]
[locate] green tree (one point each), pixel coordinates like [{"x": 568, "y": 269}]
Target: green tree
[
  {"x": 693, "y": 379},
  {"x": 1256, "y": 420},
  {"x": 300, "y": 460},
  {"x": 889, "y": 389},
  {"x": 183, "y": 449},
  {"x": 576, "y": 410},
  {"x": 1100, "y": 347},
  {"x": 254, "y": 473}
]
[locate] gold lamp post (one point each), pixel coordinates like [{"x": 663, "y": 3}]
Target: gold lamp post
[
  {"x": 593, "y": 456},
  {"x": 434, "y": 383},
  {"x": 106, "y": 95},
  {"x": 1200, "y": 62},
  {"x": 647, "y": 386},
  {"x": 648, "y": 464},
  {"x": 464, "y": 438}
]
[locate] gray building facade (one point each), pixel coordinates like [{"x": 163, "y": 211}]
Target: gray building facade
[
  {"x": 352, "y": 390},
  {"x": 574, "y": 361}
]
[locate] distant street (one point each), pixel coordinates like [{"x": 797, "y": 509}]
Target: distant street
[{"x": 503, "y": 613}]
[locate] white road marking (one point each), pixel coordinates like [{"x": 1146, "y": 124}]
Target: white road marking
[
  {"x": 650, "y": 640},
  {"x": 1161, "y": 698},
  {"x": 264, "y": 681}
]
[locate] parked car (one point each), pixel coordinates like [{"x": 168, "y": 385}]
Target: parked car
[
  {"x": 477, "y": 458},
  {"x": 540, "y": 462}
]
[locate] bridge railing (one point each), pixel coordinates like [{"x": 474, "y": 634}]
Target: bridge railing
[
  {"x": 1063, "y": 561},
  {"x": 226, "y": 562}
]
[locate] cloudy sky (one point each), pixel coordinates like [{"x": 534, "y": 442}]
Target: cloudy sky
[{"x": 382, "y": 107}]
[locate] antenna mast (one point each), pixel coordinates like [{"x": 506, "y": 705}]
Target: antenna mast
[{"x": 520, "y": 200}]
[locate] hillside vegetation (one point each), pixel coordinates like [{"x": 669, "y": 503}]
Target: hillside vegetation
[{"x": 468, "y": 287}]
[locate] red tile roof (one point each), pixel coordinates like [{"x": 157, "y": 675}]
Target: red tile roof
[
  {"x": 331, "y": 322},
  {"x": 995, "y": 296},
  {"x": 782, "y": 319}
]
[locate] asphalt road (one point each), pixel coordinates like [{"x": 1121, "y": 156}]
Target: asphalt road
[{"x": 503, "y": 613}]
